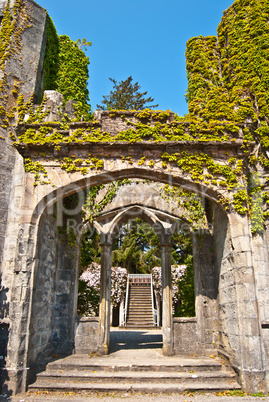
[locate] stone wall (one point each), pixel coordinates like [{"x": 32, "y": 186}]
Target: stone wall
[
  {"x": 26, "y": 67},
  {"x": 185, "y": 336},
  {"x": 43, "y": 301},
  {"x": 115, "y": 121},
  {"x": 54, "y": 300}
]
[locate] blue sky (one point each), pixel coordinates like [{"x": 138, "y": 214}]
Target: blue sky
[{"x": 143, "y": 38}]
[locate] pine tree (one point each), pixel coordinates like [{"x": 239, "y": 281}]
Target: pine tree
[{"x": 126, "y": 96}]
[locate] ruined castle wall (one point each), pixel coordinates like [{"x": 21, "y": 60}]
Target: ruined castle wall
[
  {"x": 53, "y": 306},
  {"x": 40, "y": 343},
  {"x": 24, "y": 70}
]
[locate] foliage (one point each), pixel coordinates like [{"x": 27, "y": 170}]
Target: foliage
[
  {"x": 228, "y": 82},
  {"x": 136, "y": 247},
  {"x": 126, "y": 96},
  {"x": 13, "y": 24},
  {"x": 90, "y": 250},
  {"x": 186, "y": 301},
  {"x": 51, "y": 60},
  {"x": 89, "y": 288},
  {"x": 182, "y": 287},
  {"x": 177, "y": 273},
  {"x": 99, "y": 197},
  {"x": 72, "y": 76},
  {"x": 89, "y": 291},
  {"x": 227, "y": 95}
]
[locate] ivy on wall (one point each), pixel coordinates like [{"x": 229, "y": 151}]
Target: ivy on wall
[
  {"x": 228, "y": 81},
  {"x": 14, "y": 23},
  {"x": 72, "y": 76},
  {"x": 51, "y": 60},
  {"x": 228, "y": 95}
]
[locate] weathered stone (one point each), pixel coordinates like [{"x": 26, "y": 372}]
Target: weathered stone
[{"x": 39, "y": 268}]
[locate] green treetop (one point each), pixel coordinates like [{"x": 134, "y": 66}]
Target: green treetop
[{"x": 126, "y": 96}]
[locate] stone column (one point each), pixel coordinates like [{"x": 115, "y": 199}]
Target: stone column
[
  {"x": 244, "y": 329},
  {"x": 206, "y": 292},
  {"x": 167, "y": 316},
  {"x": 105, "y": 292}
]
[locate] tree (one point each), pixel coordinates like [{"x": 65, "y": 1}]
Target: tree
[
  {"x": 126, "y": 96},
  {"x": 136, "y": 247}
]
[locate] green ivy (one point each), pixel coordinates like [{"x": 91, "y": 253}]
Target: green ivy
[{"x": 51, "y": 60}]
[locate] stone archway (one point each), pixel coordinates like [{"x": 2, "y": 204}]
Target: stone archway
[
  {"x": 108, "y": 226},
  {"x": 233, "y": 267}
]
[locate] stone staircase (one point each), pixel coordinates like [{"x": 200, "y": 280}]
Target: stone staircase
[
  {"x": 162, "y": 375},
  {"x": 140, "y": 313}
]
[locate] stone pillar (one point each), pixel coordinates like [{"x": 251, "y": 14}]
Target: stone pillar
[
  {"x": 105, "y": 292},
  {"x": 244, "y": 331},
  {"x": 167, "y": 315},
  {"x": 206, "y": 292}
]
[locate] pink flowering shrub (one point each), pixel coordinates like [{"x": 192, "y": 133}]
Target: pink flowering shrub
[
  {"x": 177, "y": 272},
  {"x": 89, "y": 288}
]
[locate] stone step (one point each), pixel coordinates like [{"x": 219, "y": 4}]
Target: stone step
[
  {"x": 84, "y": 362},
  {"x": 139, "y": 307},
  {"x": 141, "y": 298},
  {"x": 140, "y": 291},
  {"x": 170, "y": 387},
  {"x": 133, "y": 376},
  {"x": 140, "y": 313},
  {"x": 103, "y": 374},
  {"x": 138, "y": 323},
  {"x": 141, "y": 319},
  {"x": 146, "y": 289}
]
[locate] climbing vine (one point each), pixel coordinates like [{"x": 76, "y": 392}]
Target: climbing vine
[
  {"x": 99, "y": 197},
  {"x": 12, "y": 27},
  {"x": 51, "y": 60},
  {"x": 228, "y": 89},
  {"x": 72, "y": 76}
]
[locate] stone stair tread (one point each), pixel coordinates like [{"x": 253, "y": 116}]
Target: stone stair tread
[
  {"x": 83, "y": 362},
  {"x": 145, "y": 387},
  {"x": 92, "y": 374},
  {"x": 141, "y": 323},
  {"x": 140, "y": 307}
]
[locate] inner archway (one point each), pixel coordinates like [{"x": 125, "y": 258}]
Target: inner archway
[{"x": 110, "y": 222}]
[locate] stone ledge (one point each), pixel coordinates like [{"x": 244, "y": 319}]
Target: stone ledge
[
  {"x": 87, "y": 319},
  {"x": 26, "y": 149},
  {"x": 184, "y": 319}
]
